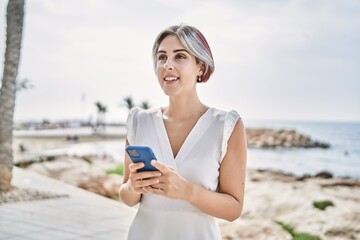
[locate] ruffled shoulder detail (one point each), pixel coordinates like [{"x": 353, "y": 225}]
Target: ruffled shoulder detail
[
  {"x": 230, "y": 121},
  {"x": 131, "y": 123}
]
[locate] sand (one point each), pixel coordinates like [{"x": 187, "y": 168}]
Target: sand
[{"x": 270, "y": 197}]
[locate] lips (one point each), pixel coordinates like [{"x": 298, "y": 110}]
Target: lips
[{"x": 170, "y": 78}]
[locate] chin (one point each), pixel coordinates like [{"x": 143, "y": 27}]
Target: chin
[{"x": 170, "y": 93}]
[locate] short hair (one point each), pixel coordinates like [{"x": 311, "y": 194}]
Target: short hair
[{"x": 194, "y": 42}]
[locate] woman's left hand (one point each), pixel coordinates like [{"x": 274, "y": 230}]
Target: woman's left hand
[{"x": 170, "y": 184}]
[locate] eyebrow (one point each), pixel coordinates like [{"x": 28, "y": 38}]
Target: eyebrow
[{"x": 176, "y": 50}]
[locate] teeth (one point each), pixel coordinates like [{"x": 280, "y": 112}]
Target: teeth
[{"x": 171, "y": 78}]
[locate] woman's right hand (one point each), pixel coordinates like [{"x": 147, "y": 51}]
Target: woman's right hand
[{"x": 140, "y": 180}]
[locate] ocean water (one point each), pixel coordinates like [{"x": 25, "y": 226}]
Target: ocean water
[{"x": 342, "y": 158}]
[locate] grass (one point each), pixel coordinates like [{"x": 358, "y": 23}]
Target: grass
[
  {"x": 296, "y": 235},
  {"x": 290, "y": 229},
  {"x": 119, "y": 169},
  {"x": 305, "y": 236},
  {"x": 322, "y": 205}
]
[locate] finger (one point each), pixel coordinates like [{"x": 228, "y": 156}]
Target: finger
[
  {"x": 161, "y": 167},
  {"x": 149, "y": 174},
  {"x": 133, "y": 167},
  {"x": 141, "y": 190},
  {"x": 146, "y": 189},
  {"x": 159, "y": 185},
  {"x": 158, "y": 191},
  {"x": 147, "y": 183}
]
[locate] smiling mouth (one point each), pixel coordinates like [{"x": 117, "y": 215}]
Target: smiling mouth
[{"x": 171, "y": 79}]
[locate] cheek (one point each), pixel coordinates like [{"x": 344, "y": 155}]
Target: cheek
[
  {"x": 159, "y": 74},
  {"x": 158, "y": 71}
]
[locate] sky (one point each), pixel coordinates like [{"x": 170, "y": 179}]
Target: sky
[{"x": 274, "y": 60}]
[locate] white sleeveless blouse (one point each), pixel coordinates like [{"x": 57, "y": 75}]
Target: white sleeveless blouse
[{"x": 198, "y": 161}]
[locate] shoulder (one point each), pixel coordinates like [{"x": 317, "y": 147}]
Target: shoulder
[
  {"x": 138, "y": 117},
  {"x": 232, "y": 128},
  {"x": 139, "y": 112},
  {"x": 222, "y": 115}
]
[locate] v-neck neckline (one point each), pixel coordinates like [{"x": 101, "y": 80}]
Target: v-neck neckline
[{"x": 188, "y": 138}]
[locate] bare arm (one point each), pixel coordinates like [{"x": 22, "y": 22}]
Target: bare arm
[{"x": 227, "y": 203}]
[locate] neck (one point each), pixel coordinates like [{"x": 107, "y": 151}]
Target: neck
[{"x": 183, "y": 107}]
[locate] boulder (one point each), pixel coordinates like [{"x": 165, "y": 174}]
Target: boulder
[
  {"x": 272, "y": 138},
  {"x": 107, "y": 185}
]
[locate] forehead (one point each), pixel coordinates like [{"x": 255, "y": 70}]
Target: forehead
[{"x": 169, "y": 43}]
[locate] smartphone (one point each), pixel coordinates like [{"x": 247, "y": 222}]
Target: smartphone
[{"x": 142, "y": 154}]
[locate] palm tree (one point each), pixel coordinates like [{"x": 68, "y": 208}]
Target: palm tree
[
  {"x": 102, "y": 109},
  {"x": 24, "y": 84},
  {"x": 145, "y": 105},
  {"x": 14, "y": 20},
  {"x": 129, "y": 102}
]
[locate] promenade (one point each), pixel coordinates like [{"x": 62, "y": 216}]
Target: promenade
[{"x": 80, "y": 215}]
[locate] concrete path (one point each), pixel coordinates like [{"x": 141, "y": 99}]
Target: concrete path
[{"x": 82, "y": 215}]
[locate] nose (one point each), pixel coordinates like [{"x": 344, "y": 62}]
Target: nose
[{"x": 168, "y": 65}]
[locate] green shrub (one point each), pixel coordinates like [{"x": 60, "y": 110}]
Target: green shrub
[
  {"x": 305, "y": 236},
  {"x": 295, "y": 235},
  {"x": 322, "y": 205},
  {"x": 119, "y": 169},
  {"x": 290, "y": 229}
]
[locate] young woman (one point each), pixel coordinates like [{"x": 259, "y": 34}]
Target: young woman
[{"x": 201, "y": 150}]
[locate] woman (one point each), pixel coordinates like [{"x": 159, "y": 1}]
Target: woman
[{"x": 201, "y": 150}]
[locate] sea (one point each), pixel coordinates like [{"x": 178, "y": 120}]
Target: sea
[{"x": 342, "y": 159}]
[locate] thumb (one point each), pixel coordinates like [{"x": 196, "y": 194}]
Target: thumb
[{"x": 161, "y": 167}]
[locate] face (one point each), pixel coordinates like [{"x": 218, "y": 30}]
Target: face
[{"x": 177, "y": 70}]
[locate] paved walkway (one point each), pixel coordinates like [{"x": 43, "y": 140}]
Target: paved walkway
[{"x": 82, "y": 215}]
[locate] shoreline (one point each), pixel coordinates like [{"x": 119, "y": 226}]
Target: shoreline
[{"x": 40, "y": 147}]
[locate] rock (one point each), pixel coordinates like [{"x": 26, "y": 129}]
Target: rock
[
  {"x": 343, "y": 233},
  {"x": 73, "y": 170},
  {"x": 304, "y": 177},
  {"x": 107, "y": 186},
  {"x": 341, "y": 182},
  {"x": 324, "y": 174},
  {"x": 271, "y": 138},
  {"x": 16, "y": 194},
  {"x": 87, "y": 172}
]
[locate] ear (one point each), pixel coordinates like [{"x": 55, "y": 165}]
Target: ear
[
  {"x": 201, "y": 66},
  {"x": 201, "y": 70}
]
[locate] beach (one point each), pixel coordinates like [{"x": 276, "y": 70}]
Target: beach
[{"x": 273, "y": 200}]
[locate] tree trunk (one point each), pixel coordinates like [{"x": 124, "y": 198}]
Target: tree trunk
[{"x": 14, "y": 19}]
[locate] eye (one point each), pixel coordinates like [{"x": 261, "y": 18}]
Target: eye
[
  {"x": 180, "y": 56},
  {"x": 162, "y": 57}
]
